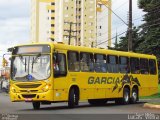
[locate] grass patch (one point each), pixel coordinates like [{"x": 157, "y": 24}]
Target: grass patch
[
  {"x": 155, "y": 103},
  {"x": 153, "y": 96}
]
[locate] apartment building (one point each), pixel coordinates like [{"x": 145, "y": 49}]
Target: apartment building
[
  {"x": 69, "y": 21},
  {"x": 65, "y": 21}
]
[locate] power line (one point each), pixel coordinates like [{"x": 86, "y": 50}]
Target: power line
[
  {"x": 103, "y": 16},
  {"x": 111, "y": 38},
  {"x": 115, "y": 9},
  {"x": 107, "y": 31},
  {"x": 137, "y": 18},
  {"x": 70, "y": 32},
  {"x": 150, "y": 25},
  {"x": 117, "y": 15},
  {"x": 114, "y": 2},
  {"x": 121, "y": 5},
  {"x": 144, "y": 15},
  {"x": 123, "y": 33}
]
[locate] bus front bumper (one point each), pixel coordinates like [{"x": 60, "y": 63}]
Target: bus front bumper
[{"x": 30, "y": 97}]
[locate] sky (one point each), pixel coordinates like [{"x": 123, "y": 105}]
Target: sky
[
  {"x": 121, "y": 8},
  {"x": 15, "y": 20}
]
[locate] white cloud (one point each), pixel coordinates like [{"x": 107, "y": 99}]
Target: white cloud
[
  {"x": 14, "y": 22},
  {"x": 122, "y": 11},
  {"x": 14, "y": 4}
]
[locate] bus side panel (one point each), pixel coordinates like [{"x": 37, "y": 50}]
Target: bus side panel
[
  {"x": 99, "y": 85},
  {"x": 87, "y": 90},
  {"x": 148, "y": 84},
  {"x": 110, "y": 86}
]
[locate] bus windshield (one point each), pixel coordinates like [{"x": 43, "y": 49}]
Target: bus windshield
[{"x": 30, "y": 68}]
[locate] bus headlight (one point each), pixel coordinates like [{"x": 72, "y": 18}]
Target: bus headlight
[
  {"x": 46, "y": 88},
  {"x": 13, "y": 89}
]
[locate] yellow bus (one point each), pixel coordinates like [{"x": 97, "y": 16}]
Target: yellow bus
[{"x": 49, "y": 73}]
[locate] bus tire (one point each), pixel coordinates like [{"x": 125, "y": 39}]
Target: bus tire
[
  {"x": 73, "y": 99},
  {"x": 36, "y": 105},
  {"x": 126, "y": 96},
  {"x": 134, "y": 96}
]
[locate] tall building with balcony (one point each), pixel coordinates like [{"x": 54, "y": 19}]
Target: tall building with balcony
[
  {"x": 69, "y": 21},
  {"x": 40, "y": 21}
]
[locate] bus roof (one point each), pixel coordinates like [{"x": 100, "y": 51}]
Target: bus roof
[
  {"x": 94, "y": 50},
  {"x": 102, "y": 51}
]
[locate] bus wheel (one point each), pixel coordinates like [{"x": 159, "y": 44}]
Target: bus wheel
[
  {"x": 36, "y": 105},
  {"x": 126, "y": 96},
  {"x": 134, "y": 96},
  {"x": 73, "y": 99}
]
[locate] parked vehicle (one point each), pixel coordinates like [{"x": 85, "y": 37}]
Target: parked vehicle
[{"x": 4, "y": 85}]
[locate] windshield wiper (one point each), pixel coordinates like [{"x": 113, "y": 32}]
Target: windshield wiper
[
  {"x": 21, "y": 58},
  {"x": 24, "y": 63},
  {"x": 35, "y": 59},
  {"x": 37, "y": 56}
]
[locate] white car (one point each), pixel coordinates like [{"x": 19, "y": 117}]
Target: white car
[{"x": 5, "y": 85}]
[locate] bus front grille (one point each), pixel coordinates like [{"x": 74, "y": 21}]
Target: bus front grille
[
  {"x": 29, "y": 96},
  {"x": 28, "y": 85},
  {"x": 29, "y": 90}
]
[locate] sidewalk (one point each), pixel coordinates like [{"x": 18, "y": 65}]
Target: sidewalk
[{"x": 151, "y": 103}]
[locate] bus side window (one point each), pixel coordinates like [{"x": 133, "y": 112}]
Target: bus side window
[
  {"x": 124, "y": 65},
  {"x": 112, "y": 64},
  {"x": 91, "y": 63},
  {"x": 86, "y": 62},
  {"x": 152, "y": 67},
  {"x": 73, "y": 61},
  {"x": 59, "y": 61},
  {"x": 144, "y": 66},
  {"x": 134, "y": 63},
  {"x": 100, "y": 63}
]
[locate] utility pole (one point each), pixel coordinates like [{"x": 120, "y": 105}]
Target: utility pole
[
  {"x": 37, "y": 21},
  {"x": 70, "y": 31},
  {"x": 109, "y": 23},
  {"x": 130, "y": 27}
]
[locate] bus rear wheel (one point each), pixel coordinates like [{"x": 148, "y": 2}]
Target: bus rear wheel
[
  {"x": 134, "y": 96},
  {"x": 126, "y": 96},
  {"x": 73, "y": 99},
  {"x": 97, "y": 102},
  {"x": 36, "y": 105},
  {"x": 125, "y": 99}
]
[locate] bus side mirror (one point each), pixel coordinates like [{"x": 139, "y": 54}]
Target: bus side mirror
[
  {"x": 10, "y": 49},
  {"x": 55, "y": 56}
]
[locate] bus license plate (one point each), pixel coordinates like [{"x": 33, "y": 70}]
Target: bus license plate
[{"x": 28, "y": 99}]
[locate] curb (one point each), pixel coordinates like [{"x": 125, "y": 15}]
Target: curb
[{"x": 148, "y": 105}]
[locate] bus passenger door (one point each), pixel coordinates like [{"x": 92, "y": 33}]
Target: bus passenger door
[{"x": 60, "y": 75}]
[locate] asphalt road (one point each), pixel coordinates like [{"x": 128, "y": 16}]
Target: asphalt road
[{"x": 83, "y": 110}]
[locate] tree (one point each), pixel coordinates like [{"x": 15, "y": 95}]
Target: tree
[
  {"x": 150, "y": 30},
  {"x": 146, "y": 38},
  {"x": 123, "y": 43}
]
